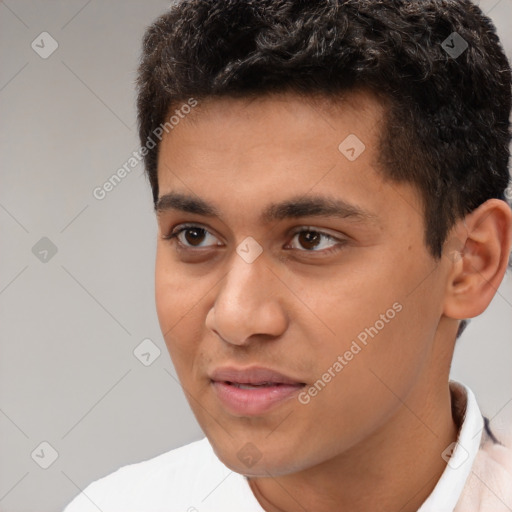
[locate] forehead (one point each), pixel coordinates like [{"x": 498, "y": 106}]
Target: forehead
[
  {"x": 248, "y": 161},
  {"x": 251, "y": 153},
  {"x": 305, "y": 111},
  {"x": 292, "y": 131}
]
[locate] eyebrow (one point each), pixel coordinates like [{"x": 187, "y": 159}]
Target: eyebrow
[{"x": 295, "y": 207}]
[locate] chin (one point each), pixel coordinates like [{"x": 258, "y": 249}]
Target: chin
[{"x": 264, "y": 463}]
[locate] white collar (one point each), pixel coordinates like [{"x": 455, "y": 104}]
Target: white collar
[{"x": 449, "y": 487}]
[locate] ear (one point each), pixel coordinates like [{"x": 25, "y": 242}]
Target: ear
[{"x": 478, "y": 250}]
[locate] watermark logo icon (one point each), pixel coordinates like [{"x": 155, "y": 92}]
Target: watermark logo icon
[
  {"x": 249, "y": 454},
  {"x": 454, "y": 45},
  {"x": 351, "y": 147},
  {"x": 44, "y": 250},
  {"x": 44, "y": 455},
  {"x": 249, "y": 249},
  {"x": 453, "y": 249},
  {"x": 147, "y": 352},
  {"x": 455, "y": 455},
  {"x": 44, "y": 45}
]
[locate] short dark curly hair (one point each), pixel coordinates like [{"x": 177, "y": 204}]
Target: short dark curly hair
[{"x": 446, "y": 126}]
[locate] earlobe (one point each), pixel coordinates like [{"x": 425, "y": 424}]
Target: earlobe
[{"x": 478, "y": 250}]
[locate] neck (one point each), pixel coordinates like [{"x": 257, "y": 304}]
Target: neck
[{"x": 394, "y": 469}]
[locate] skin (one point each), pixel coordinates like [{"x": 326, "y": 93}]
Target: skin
[{"x": 372, "y": 438}]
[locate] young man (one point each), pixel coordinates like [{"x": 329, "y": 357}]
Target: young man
[{"x": 329, "y": 181}]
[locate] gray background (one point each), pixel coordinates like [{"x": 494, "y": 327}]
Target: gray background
[{"x": 70, "y": 324}]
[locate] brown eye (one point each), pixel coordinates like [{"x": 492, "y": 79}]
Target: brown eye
[
  {"x": 310, "y": 240},
  {"x": 192, "y": 236}
]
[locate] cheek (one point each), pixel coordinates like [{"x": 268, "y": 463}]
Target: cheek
[
  {"x": 182, "y": 304},
  {"x": 384, "y": 336},
  {"x": 175, "y": 293},
  {"x": 369, "y": 388},
  {"x": 174, "y": 299},
  {"x": 168, "y": 307}
]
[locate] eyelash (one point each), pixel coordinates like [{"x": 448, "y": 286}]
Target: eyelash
[{"x": 303, "y": 229}]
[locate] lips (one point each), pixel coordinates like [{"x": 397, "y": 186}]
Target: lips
[
  {"x": 252, "y": 391},
  {"x": 253, "y": 376}
]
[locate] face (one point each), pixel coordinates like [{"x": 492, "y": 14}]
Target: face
[{"x": 290, "y": 253}]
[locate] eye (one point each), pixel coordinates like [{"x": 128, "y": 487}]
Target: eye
[
  {"x": 316, "y": 241},
  {"x": 190, "y": 235}
]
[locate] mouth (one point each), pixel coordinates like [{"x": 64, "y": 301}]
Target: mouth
[
  {"x": 240, "y": 385},
  {"x": 253, "y": 391}
]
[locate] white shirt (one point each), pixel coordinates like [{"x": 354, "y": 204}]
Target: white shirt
[{"x": 193, "y": 479}]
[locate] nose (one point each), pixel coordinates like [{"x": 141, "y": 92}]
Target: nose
[{"x": 248, "y": 304}]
